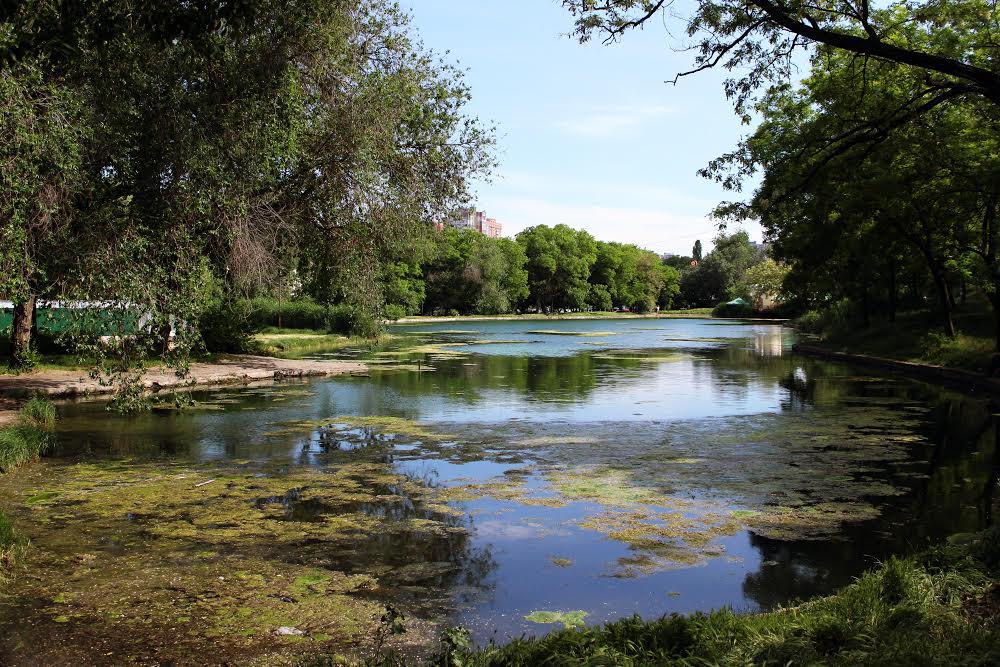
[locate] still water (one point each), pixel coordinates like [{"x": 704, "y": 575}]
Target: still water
[{"x": 592, "y": 469}]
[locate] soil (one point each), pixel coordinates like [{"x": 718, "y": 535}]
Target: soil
[{"x": 243, "y": 369}]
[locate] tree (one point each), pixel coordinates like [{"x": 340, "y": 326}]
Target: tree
[
  {"x": 224, "y": 143},
  {"x": 760, "y": 37},
  {"x": 42, "y": 130},
  {"x": 764, "y": 281},
  {"x": 945, "y": 47},
  {"x": 559, "y": 263},
  {"x": 920, "y": 201},
  {"x": 696, "y": 252},
  {"x": 473, "y": 273}
]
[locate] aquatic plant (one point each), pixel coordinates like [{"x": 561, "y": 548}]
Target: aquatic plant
[
  {"x": 30, "y": 436},
  {"x": 11, "y": 546}
]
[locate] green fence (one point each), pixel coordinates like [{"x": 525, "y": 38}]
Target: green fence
[{"x": 54, "y": 321}]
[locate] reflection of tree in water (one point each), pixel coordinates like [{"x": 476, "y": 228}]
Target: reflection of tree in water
[
  {"x": 465, "y": 378},
  {"x": 423, "y": 556},
  {"x": 950, "y": 485},
  {"x": 792, "y": 571}
]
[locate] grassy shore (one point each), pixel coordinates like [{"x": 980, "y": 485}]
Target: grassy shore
[
  {"x": 24, "y": 441},
  {"x": 941, "y": 607},
  {"x": 918, "y": 337},
  {"x": 296, "y": 343},
  {"x": 29, "y": 437}
]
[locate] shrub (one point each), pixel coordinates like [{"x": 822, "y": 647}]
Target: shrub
[
  {"x": 31, "y": 436},
  {"x": 394, "y": 312},
  {"x": 228, "y": 325},
  {"x": 295, "y": 314},
  {"x": 733, "y": 310},
  {"x": 832, "y": 319}
]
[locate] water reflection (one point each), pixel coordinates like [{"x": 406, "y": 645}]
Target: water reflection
[{"x": 709, "y": 417}]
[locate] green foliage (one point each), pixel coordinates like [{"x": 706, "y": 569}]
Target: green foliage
[
  {"x": 12, "y": 545},
  {"x": 764, "y": 280},
  {"x": 159, "y": 156},
  {"x": 720, "y": 275},
  {"x": 300, "y": 313},
  {"x": 32, "y": 435},
  {"x": 395, "y": 312},
  {"x": 472, "y": 273},
  {"x": 228, "y": 325},
  {"x": 559, "y": 264}
]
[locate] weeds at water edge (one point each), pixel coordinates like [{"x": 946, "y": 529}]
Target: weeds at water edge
[{"x": 30, "y": 436}]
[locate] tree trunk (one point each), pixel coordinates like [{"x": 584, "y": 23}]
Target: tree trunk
[
  {"x": 944, "y": 295},
  {"x": 892, "y": 290},
  {"x": 24, "y": 318},
  {"x": 994, "y": 298},
  {"x": 164, "y": 335}
]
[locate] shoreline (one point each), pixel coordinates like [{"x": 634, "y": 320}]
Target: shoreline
[
  {"x": 238, "y": 369},
  {"x": 434, "y": 319},
  {"x": 955, "y": 378}
]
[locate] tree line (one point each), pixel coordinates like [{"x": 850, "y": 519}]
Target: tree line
[
  {"x": 547, "y": 269},
  {"x": 544, "y": 269}
]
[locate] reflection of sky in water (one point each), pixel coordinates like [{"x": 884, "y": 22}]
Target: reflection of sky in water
[
  {"x": 676, "y": 375},
  {"x": 687, "y": 383}
]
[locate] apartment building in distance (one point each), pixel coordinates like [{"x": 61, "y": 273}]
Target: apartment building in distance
[{"x": 470, "y": 218}]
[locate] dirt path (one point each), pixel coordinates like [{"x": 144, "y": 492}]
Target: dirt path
[{"x": 236, "y": 370}]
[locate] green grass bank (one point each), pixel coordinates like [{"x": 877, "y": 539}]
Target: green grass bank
[
  {"x": 22, "y": 442},
  {"x": 915, "y": 337}
]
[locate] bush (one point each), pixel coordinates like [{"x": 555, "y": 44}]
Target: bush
[
  {"x": 307, "y": 314},
  {"x": 31, "y": 436},
  {"x": 834, "y": 318},
  {"x": 733, "y": 310},
  {"x": 296, "y": 314},
  {"x": 228, "y": 326},
  {"x": 394, "y": 312}
]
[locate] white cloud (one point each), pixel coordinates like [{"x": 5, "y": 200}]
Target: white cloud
[{"x": 609, "y": 121}]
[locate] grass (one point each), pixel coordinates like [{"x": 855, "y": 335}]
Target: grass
[
  {"x": 918, "y": 337},
  {"x": 46, "y": 362},
  {"x": 30, "y": 436},
  {"x": 24, "y": 441},
  {"x": 12, "y": 545},
  {"x": 294, "y": 343},
  {"x": 941, "y": 607}
]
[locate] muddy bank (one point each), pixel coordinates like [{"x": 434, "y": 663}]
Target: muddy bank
[{"x": 242, "y": 369}]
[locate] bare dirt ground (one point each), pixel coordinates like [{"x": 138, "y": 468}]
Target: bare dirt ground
[{"x": 235, "y": 370}]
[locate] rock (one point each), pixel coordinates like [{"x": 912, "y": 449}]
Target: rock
[{"x": 287, "y": 631}]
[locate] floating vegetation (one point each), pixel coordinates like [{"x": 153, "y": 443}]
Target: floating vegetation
[
  {"x": 568, "y": 619},
  {"x": 177, "y": 556},
  {"x": 560, "y": 561},
  {"x": 583, "y": 334},
  {"x": 642, "y": 355},
  {"x": 384, "y": 425},
  {"x": 820, "y": 521}
]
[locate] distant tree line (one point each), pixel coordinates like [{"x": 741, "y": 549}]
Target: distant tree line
[{"x": 544, "y": 269}]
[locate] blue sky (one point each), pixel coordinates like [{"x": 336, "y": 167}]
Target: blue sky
[{"x": 592, "y": 136}]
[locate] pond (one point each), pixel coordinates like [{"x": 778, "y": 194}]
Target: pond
[{"x": 511, "y": 477}]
